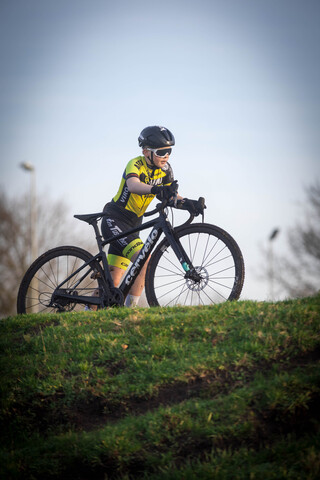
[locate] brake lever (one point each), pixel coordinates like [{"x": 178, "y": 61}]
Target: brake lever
[
  {"x": 201, "y": 200},
  {"x": 175, "y": 196}
]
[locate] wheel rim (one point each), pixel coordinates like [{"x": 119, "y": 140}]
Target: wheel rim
[
  {"x": 213, "y": 261},
  {"x": 47, "y": 278}
]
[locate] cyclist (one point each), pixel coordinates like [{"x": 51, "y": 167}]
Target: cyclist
[{"x": 144, "y": 177}]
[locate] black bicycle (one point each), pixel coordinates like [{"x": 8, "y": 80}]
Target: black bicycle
[{"x": 194, "y": 264}]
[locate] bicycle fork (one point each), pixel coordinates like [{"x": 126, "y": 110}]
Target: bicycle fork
[{"x": 181, "y": 254}]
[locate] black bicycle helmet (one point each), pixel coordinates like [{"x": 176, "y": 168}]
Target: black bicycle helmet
[{"x": 156, "y": 137}]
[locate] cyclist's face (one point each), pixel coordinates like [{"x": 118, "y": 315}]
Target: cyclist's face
[{"x": 158, "y": 161}]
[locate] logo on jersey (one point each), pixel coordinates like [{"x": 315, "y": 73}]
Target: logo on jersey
[
  {"x": 124, "y": 195},
  {"x": 139, "y": 163},
  {"x": 155, "y": 181}
]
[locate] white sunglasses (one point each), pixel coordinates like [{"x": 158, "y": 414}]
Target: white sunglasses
[{"x": 159, "y": 152}]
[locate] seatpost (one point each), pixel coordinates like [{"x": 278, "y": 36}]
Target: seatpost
[
  {"x": 94, "y": 223},
  {"x": 108, "y": 277}
]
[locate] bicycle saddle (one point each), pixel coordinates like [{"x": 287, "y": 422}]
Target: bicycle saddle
[{"x": 89, "y": 217}]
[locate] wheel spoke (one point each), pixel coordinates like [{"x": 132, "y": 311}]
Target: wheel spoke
[
  {"x": 52, "y": 270},
  {"x": 218, "y": 264}
]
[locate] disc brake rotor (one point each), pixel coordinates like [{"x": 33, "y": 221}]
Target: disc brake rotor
[{"x": 204, "y": 280}]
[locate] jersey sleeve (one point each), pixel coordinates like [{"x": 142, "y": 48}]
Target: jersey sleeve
[{"x": 133, "y": 168}]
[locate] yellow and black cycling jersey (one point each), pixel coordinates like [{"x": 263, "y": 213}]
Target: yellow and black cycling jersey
[
  {"x": 138, "y": 167},
  {"x": 126, "y": 209}
]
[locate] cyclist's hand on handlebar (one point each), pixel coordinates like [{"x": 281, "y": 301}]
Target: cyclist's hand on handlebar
[
  {"x": 195, "y": 207},
  {"x": 165, "y": 192}
]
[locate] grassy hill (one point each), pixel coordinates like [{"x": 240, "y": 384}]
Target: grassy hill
[{"x": 222, "y": 392}]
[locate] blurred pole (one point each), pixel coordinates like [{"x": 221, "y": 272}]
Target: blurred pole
[
  {"x": 28, "y": 167},
  {"x": 272, "y": 237}
]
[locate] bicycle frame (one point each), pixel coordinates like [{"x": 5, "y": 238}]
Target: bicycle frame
[{"x": 160, "y": 225}]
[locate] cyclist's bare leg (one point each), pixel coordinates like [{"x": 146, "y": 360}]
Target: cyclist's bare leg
[
  {"x": 135, "y": 291},
  {"x": 116, "y": 274},
  {"x": 139, "y": 283},
  {"x": 93, "y": 307},
  {"x": 138, "y": 286}
]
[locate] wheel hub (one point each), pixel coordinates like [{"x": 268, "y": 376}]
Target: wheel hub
[{"x": 198, "y": 282}]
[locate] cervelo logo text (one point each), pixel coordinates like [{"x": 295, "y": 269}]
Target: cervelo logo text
[{"x": 141, "y": 256}]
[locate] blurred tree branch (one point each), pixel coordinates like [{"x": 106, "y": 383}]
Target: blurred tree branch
[
  {"x": 55, "y": 228},
  {"x": 298, "y": 272}
]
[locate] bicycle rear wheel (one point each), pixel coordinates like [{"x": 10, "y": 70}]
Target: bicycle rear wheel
[
  {"x": 48, "y": 271},
  {"x": 217, "y": 259}
]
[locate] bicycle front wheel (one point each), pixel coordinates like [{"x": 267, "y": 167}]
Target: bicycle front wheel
[
  {"x": 49, "y": 271},
  {"x": 217, "y": 259}
]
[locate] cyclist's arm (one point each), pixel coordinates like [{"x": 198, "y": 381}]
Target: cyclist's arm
[
  {"x": 135, "y": 186},
  {"x": 140, "y": 188}
]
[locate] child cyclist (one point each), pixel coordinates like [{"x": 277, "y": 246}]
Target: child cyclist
[{"x": 144, "y": 177}]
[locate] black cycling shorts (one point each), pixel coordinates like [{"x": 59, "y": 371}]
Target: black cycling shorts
[{"x": 121, "y": 250}]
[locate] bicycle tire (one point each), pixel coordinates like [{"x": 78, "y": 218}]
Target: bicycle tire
[
  {"x": 50, "y": 269},
  {"x": 216, "y": 257}
]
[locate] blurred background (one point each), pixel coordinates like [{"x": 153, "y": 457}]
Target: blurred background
[{"x": 236, "y": 81}]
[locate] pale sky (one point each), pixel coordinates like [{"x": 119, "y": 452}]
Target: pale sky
[{"x": 236, "y": 81}]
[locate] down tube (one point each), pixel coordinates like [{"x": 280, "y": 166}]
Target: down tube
[{"x": 141, "y": 259}]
